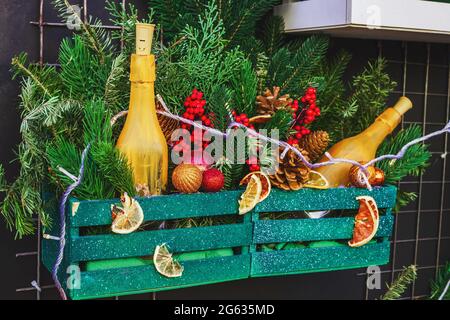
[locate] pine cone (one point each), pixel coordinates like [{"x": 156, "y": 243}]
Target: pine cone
[
  {"x": 168, "y": 125},
  {"x": 315, "y": 144},
  {"x": 292, "y": 173},
  {"x": 270, "y": 102}
]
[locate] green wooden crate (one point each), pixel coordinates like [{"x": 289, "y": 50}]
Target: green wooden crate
[
  {"x": 316, "y": 252},
  {"x": 119, "y": 273},
  {"x": 139, "y": 279}
]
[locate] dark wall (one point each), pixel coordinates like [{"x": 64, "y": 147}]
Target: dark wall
[
  {"x": 423, "y": 228},
  {"x": 16, "y": 34}
]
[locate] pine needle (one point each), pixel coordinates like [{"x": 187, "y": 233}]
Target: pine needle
[
  {"x": 399, "y": 286},
  {"x": 403, "y": 199},
  {"x": 305, "y": 61},
  {"x": 2, "y": 179},
  {"x": 439, "y": 285},
  {"x": 415, "y": 160},
  {"x": 43, "y": 77}
]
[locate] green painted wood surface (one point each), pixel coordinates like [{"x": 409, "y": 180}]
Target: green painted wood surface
[
  {"x": 226, "y": 202},
  {"x": 331, "y": 199},
  {"x": 177, "y": 206},
  {"x": 143, "y": 243},
  {"x": 291, "y": 230},
  {"x": 133, "y": 280},
  {"x": 318, "y": 259}
]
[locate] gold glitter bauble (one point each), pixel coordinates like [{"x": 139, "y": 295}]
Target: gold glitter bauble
[
  {"x": 187, "y": 178},
  {"x": 356, "y": 176},
  {"x": 378, "y": 178},
  {"x": 375, "y": 177}
]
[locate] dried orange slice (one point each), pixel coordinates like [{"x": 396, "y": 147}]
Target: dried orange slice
[
  {"x": 366, "y": 222},
  {"x": 165, "y": 263},
  {"x": 265, "y": 182},
  {"x": 250, "y": 198},
  {"x": 128, "y": 218},
  {"x": 317, "y": 181}
]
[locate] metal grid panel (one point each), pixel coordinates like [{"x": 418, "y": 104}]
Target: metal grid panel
[{"x": 444, "y": 208}]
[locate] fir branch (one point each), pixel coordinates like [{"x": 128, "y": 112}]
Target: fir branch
[
  {"x": 244, "y": 88},
  {"x": 332, "y": 88},
  {"x": 273, "y": 34},
  {"x": 262, "y": 64},
  {"x": 249, "y": 12},
  {"x": 399, "y": 286},
  {"x": 240, "y": 18},
  {"x": 49, "y": 112},
  {"x": 2, "y": 179},
  {"x": 439, "y": 284},
  {"x": 93, "y": 33},
  {"x": 43, "y": 77},
  {"x": 403, "y": 199},
  {"x": 415, "y": 160},
  {"x": 96, "y": 123},
  {"x": 279, "y": 68},
  {"x": 233, "y": 174},
  {"x": 22, "y": 201},
  {"x": 252, "y": 48},
  {"x": 208, "y": 36},
  {"x": 371, "y": 90},
  {"x": 170, "y": 15},
  {"x": 114, "y": 167},
  {"x": 63, "y": 153},
  {"x": 200, "y": 60},
  {"x": 281, "y": 121},
  {"x": 82, "y": 73},
  {"x": 22, "y": 198},
  {"x": 219, "y": 104},
  {"x": 305, "y": 61},
  {"x": 117, "y": 85}
]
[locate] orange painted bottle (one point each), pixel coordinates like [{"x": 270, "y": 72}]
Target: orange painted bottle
[
  {"x": 142, "y": 141},
  {"x": 363, "y": 147}
]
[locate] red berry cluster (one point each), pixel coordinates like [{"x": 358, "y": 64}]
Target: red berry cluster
[
  {"x": 312, "y": 111},
  {"x": 243, "y": 119},
  {"x": 195, "y": 111},
  {"x": 305, "y": 116},
  {"x": 253, "y": 164}
]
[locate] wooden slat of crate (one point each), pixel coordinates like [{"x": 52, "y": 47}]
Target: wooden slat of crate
[
  {"x": 125, "y": 281},
  {"x": 293, "y": 230},
  {"x": 139, "y": 244},
  {"x": 306, "y": 260},
  {"x": 179, "y": 206},
  {"x": 331, "y": 199}
]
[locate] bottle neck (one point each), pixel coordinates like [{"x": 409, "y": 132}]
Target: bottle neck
[
  {"x": 143, "y": 68},
  {"x": 142, "y": 94},
  {"x": 382, "y": 127}
]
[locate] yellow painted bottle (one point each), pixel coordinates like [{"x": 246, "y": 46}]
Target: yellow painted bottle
[
  {"x": 142, "y": 141},
  {"x": 363, "y": 147}
]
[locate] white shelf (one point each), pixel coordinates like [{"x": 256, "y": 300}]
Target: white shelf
[{"x": 410, "y": 20}]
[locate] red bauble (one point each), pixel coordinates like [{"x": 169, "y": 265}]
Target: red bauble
[{"x": 213, "y": 180}]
